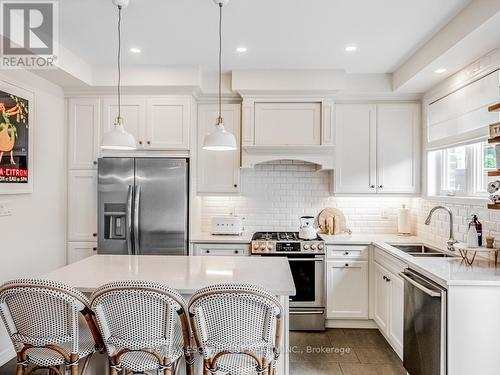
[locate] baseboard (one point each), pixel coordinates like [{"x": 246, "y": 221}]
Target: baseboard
[
  {"x": 350, "y": 323},
  {"x": 6, "y": 355}
]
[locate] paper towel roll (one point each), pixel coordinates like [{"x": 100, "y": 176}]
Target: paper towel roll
[{"x": 404, "y": 220}]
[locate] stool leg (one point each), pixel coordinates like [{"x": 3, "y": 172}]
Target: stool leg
[{"x": 20, "y": 369}]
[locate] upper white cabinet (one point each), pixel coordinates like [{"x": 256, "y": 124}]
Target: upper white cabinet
[
  {"x": 160, "y": 123},
  {"x": 287, "y": 123},
  {"x": 398, "y": 134},
  {"x": 377, "y": 148},
  {"x": 83, "y": 133},
  {"x": 296, "y": 124},
  {"x": 218, "y": 172},
  {"x": 133, "y": 113},
  {"x": 167, "y": 123},
  {"x": 355, "y": 155}
]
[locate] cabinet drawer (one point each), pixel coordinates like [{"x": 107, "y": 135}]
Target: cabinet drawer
[
  {"x": 221, "y": 250},
  {"x": 347, "y": 252}
]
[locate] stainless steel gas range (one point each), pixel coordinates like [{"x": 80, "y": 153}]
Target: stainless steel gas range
[{"x": 306, "y": 258}]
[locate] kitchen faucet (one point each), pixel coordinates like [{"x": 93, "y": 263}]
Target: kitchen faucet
[{"x": 451, "y": 241}]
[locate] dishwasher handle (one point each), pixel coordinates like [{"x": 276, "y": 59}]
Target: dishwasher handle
[{"x": 417, "y": 285}]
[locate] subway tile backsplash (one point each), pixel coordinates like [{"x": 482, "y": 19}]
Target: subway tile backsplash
[{"x": 274, "y": 196}]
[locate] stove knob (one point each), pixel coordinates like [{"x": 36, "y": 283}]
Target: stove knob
[
  {"x": 313, "y": 246},
  {"x": 263, "y": 247},
  {"x": 306, "y": 246},
  {"x": 269, "y": 246},
  {"x": 255, "y": 246},
  {"x": 320, "y": 246}
]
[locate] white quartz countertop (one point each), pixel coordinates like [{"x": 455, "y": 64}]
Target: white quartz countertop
[
  {"x": 206, "y": 237},
  {"x": 186, "y": 274},
  {"x": 445, "y": 271}
]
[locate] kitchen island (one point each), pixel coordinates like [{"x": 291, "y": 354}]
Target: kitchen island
[{"x": 186, "y": 275}]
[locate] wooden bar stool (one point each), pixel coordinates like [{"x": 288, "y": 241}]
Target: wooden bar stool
[
  {"x": 237, "y": 328},
  {"x": 50, "y": 324},
  {"x": 144, "y": 327}
]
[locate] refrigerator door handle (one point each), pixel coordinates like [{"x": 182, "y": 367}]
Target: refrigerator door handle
[
  {"x": 129, "y": 220},
  {"x": 136, "y": 219}
]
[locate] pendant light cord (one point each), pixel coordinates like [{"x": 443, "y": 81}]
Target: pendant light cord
[
  {"x": 119, "y": 120},
  {"x": 219, "y": 120}
]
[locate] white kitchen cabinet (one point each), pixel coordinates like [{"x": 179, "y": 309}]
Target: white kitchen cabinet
[
  {"x": 355, "y": 151},
  {"x": 82, "y": 205},
  {"x": 80, "y": 250},
  {"x": 389, "y": 303},
  {"x": 377, "y": 148},
  {"x": 218, "y": 172},
  {"x": 381, "y": 297},
  {"x": 290, "y": 124},
  {"x": 83, "y": 132},
  {"x": 347, "y": 289},
  {"x": 167, "y": 123},
  {"x": 133, "y": 113},
  {"x": 159, "y": 123},
  {"x": 398, "y": 148},
  {"x": 217, "y": 249}
]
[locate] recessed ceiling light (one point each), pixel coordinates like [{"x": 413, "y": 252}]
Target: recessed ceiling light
[
  {"x": 440, "y": 70},
  {"x": 135, "y": 50},
  {"x": 241, "y": 49},
  {"x": 351, "y": 48}
]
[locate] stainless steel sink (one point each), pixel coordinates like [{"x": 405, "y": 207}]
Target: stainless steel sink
[{"x": 422, "y": 251}]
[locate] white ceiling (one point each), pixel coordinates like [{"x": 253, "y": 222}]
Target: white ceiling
[{"x": 279, "y": 34}]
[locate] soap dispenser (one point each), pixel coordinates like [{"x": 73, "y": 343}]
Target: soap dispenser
[{"x": 472, "y": 235}]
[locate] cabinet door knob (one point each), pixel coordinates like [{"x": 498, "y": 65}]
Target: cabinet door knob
[
  {"x": 380, "y": 186},
  {"x": 372, "y": 186},
  {"x": 235, "y": 185},
  {"x": 346, "y": 253},
  {"x": 149, "y": 142},
  {"x": 95, "y": 162},
  {"x": 236, "y": 251},
  {"x": 94, "y": 234},
  {"x": 347, "y": 264},
  {"x": 208, "y": 251},
  {"x": 94, "y": 248},
  {"x": 385, "y": 278},
  {"x": 140, "y": 142}
]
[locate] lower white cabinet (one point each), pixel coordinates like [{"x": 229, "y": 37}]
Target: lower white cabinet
[
  {"x": 80, "y": 250},
  {"x": 209, "y": 249},
  {"x": 82, "y": 206},
  {"x": 389, "y": 305},
  {"x": 347, "y": 289}
]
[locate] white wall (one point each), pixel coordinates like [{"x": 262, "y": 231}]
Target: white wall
[
  {"x": 276, "y": 194},
  {"x": 32, "y": 240}
]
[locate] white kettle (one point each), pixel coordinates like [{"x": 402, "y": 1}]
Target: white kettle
[{"x": 307, "y": 230}]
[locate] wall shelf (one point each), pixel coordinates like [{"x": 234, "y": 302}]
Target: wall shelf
[
  {"x": 494, "y": 206},
  {"x": 494, "y": 173},
  {"x": 494, "y": 140},
  {"x": 494, "y": 108}
]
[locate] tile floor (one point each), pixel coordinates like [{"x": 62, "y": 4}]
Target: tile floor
[{"x": 345, "y": 352}]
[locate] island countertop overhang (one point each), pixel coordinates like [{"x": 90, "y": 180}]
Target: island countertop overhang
[{"x": 186, "y": 274}]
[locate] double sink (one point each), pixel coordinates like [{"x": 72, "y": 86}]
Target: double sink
[{"x": 422, "y": 251}]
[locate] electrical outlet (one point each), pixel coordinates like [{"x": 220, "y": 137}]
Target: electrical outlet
[
  {"x": 4, "y": 209},
  {"x": 383, "y": 214}
]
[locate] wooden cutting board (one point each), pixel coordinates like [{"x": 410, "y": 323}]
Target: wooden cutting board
[{"x": 332, "y": 221}]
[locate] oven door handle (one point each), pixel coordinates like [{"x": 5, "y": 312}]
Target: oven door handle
[
  {"x": 417, "y": 285},
  {"x": 306, "y": 260},
  {"x": 308, "y": 312}
]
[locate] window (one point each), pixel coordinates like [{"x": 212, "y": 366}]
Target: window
[{"x": 460, "y": 171}]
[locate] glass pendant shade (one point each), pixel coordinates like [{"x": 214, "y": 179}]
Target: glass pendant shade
[
  {"x": 118, "y": 139},
  {"x": 220, "y": 140}
]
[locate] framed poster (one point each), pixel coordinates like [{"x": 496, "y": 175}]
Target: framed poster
[{"x": 16, "y": 139}]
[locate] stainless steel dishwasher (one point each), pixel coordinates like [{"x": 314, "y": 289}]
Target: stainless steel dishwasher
[{"x": 424, "y": 350}]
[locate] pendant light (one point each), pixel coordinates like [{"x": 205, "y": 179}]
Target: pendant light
[
  {"x": 220, "y": 139},
  {"x": 117, "y": 138}
]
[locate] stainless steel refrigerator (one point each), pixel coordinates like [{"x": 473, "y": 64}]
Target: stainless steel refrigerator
[{"x": 143, "y": 206}]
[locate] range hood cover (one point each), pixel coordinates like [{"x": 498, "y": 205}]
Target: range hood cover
[{"x": 323, "y": 156}]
